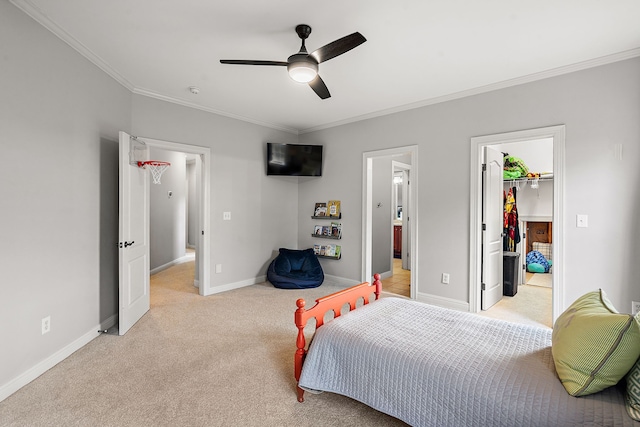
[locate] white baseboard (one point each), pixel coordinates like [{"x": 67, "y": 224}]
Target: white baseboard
[
  {"x": 443, "y": 302},
  {"x": 180, "y": 260},
  {"x": 334, "y": 280},
  {"x": 337, "y": 280},
  {"x": 386, "y": 275},
  {"x": 232, "y": 286},
  {"x": 31, "y": 374}
]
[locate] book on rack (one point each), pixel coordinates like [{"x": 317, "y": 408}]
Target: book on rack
[
  {"x": 317, "y": 230},
  {"x": 316, "y": 249},
  {"x": 333, "y": 208},
  {"x": 330, "y": 250},
  {"x": 320, "y": 210},
  {"x": 336, "y": 230}
]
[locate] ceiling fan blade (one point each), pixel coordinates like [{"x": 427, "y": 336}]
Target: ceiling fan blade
[
  {"x": 250, "y": 62},
  {"x": 338, "y": 47},
  {"x": 320, "y": 88}
]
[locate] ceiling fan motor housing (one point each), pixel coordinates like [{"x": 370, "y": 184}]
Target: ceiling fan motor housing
[{"x": 303, "y": 31}]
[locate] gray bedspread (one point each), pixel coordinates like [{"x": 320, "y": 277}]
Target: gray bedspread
[{"x": 431, "y": 366}]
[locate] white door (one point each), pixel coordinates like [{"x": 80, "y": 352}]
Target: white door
[
  {"x": 492, "y": 224},
  {"x": 133, "y": 238}
]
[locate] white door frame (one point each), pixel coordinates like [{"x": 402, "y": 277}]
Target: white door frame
[
  {"x": 477, "y": 144},
  {"x": 203, "y": 245},
  {"x": 367, "y": 210}
]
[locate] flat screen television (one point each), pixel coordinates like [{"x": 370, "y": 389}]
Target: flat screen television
[{"x": 294, "y": 159}]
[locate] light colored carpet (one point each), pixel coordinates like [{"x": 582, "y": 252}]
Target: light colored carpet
[
  {"x": 530, "y": 305},
  {"x": 541, "y": 279},
  {"x": 221, "y": 360}
]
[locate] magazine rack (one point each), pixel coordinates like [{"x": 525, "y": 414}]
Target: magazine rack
[{"x": 333, "y": 231}]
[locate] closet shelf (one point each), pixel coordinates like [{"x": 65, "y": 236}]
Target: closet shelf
[{"x": 526, "y": 179}]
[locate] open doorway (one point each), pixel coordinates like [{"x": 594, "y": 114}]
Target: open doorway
[
  {"x": 527, "y": 217},
  {"x": 556, "y": 135},
  {"x": 380, "y": 211},
  {"x": 173, "y": 222},
  {"x": 400, "y": 280},
  {"x": 134, "y": 219}
]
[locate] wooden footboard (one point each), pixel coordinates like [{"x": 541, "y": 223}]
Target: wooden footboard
[{"x": 333, "y": 302}]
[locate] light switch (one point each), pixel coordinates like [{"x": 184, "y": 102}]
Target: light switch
[{"x": 582, "y": 221}]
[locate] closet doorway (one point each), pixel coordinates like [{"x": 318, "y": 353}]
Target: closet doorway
[{"x": 556, "y": 135}]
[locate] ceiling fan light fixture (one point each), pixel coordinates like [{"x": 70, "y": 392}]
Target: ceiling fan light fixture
[{"x": 302, "y": 71}]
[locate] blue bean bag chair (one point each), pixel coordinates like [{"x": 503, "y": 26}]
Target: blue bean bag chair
[
  {"x": 537, "y": 263},
  {"x": 295, "y": 269}
]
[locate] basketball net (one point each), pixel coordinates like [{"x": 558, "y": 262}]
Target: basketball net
[{"x": 157, "y": 168}]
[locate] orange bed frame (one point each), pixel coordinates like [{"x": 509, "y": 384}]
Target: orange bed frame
[{"x": 334, "y": 303}]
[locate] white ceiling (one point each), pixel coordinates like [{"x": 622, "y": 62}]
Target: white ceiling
[{"x": 417, "y": 52}]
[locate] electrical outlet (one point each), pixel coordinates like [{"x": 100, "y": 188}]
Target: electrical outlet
[
  {"x": 46, "y": 324},
  {"x": 445, "y": 278},
  {"x": 635, "y": 307}
]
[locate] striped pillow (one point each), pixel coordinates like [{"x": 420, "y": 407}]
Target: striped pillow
[
  {"x": 593, "y": 345},
  {"x": 633, "y": 392}
]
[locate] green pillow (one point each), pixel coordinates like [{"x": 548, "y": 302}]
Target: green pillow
[
  {"x": 633, "y": 392},
  {"x": 593, "y": 345}
]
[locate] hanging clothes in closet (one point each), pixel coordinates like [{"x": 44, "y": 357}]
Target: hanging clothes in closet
[{"x": 511, "y": 228}]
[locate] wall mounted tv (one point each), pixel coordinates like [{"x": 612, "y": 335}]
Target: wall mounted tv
[{"x": 294, "y": 159}]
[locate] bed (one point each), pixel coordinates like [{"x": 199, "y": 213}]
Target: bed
[{"x": 431, "y": 366}]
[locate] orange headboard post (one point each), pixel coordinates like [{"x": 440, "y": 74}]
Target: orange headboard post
[{"x": 334, "y": 303}]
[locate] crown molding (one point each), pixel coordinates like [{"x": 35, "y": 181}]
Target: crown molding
[
  {"x": 36, "y": 14},
  {"x": 604, "y": 60},
  {"x": 40, "y": 17},
  {"x": 155, "y": 95}
]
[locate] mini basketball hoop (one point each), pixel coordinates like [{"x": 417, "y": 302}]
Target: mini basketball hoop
[{"x": 156, "y": 167}]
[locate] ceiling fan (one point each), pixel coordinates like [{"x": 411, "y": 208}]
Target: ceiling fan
[{"x": 303, "y": 66}]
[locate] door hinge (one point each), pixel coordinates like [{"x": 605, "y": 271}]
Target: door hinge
[
  {"x": 483, "y": 287},
  {"x": 484, "y": 167},
  {"x": 484, "y": 227},
  {"x": 203, "y": 232}
]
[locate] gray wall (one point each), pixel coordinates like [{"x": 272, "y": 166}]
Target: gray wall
[
  {"x": 264, "y": 210},
  {"x": 60, "y": 116},
  {"x": 599, "y": 106}
]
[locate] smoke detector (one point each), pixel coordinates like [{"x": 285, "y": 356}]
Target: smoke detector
[{"x": 194, "y": 90}]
